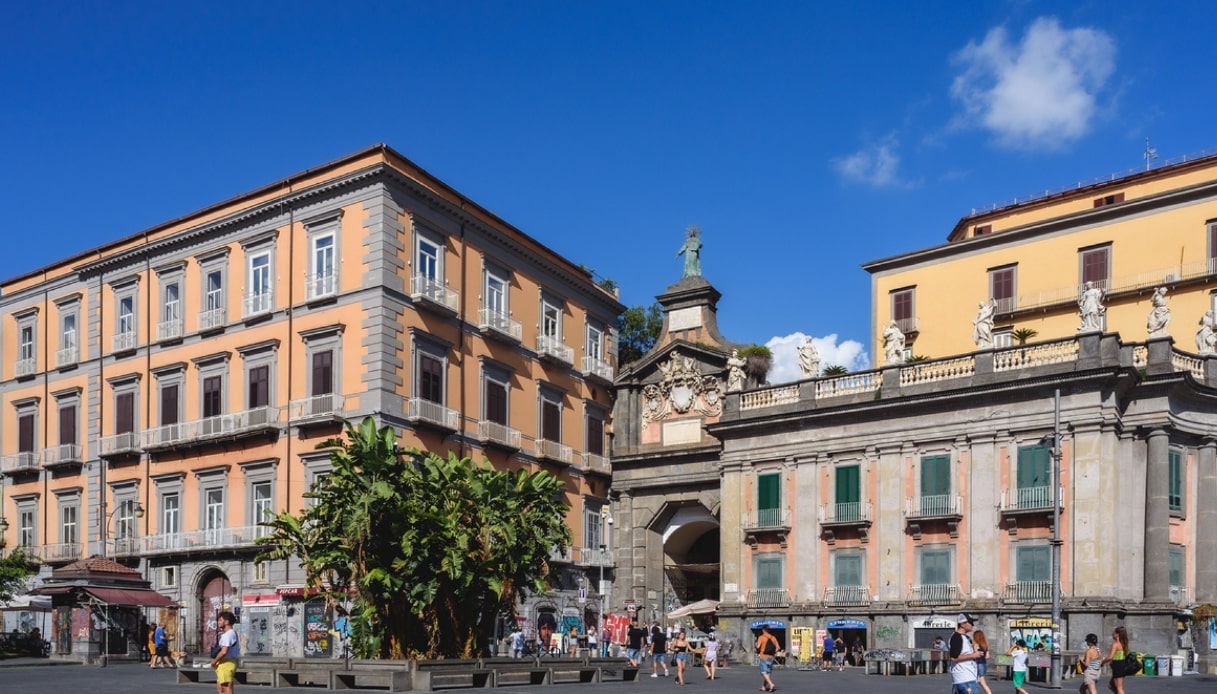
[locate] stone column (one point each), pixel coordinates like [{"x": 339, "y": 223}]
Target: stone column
[
  {"x": 1157, "y": 516},
  {"x": 1205, "y": 546}
]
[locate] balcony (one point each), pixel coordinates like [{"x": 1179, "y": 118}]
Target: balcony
[
  {"x": 425, "y": 291},
  {"x": 260, "y": 420},
  {"x": 63, "y": 454},
  {"x": 596, "y": 463},
  {"x": 258, "y": 304},
  {"x": 124, "y": 342},
  {"x": 768, "y": 597},
  {"x": 320, "y": 286},
  {"x": 170, "y": 330},
  {"x": 766, "y": 521},
  {"x": 847, "y": 596},
  {"x": 60, "y": 553},
  {"x": 908, "y": 326},
  {"x": 845, "y": 515},
  {"x": 1180, "y": 596},
  {"x": 554, "y": 452},
  {"x": 25, "y": 367},
  {"x": 196, "y": 540},
  {"x": 1026, "y": 501},
  {"x": 598, "y": 368},
  {"x": 550, "y": 348},
  {"x": 19, "y": 463},
  {"x": 561, "y": 554},
  {"x": 593, "y": 556},
  {"x": 499, "y": 325},
  {"x": 68, "y": 356},
  {"x": 317, "y": 409},
  {"x": 947, "y": 508},
  {"x": 423, "y": 412},
  {"x": 1028, "y": 592},
  {"x": 118, "y": 445},
  {"x": 500, "y": 435},
  {"x": 935, "y": 594},
  {"x": 212, "y": 319}
]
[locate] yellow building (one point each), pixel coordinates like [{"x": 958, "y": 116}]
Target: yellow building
[
  {"x": 1033, "y": 258},
  {"x": 164, "y": 392}
]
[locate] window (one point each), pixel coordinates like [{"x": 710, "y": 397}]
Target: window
[
  {"x": 849, "y": 493},
  {"x": 551, "y": 321},
  {"x": 124, "y": 413},
  {"x": 1175, "y": 487},
  {"x": 68, "y": 528},
  {"x": 1033, "y": 564},
  {"x": 322, "y": 258},
  {"x": 69, "y": 347},
  {"x": 261, "y": 572},
  {"x": 769, "y": 573},
  {"x": 936, "y": 485},
  {"x": 1003, "y": 337},
  {"x": 769, "y": 500},
  {"x": 171, "y": 514},
  {"x": 1095, "y": 266},
  {"x": 495, "y": 385},
  {"x": 1212, "y": 248},
  {"x": 214, "y": 314},
  {"x": 124, "y": 522},
  {"x": 323, "y": 373},
  {"x": 67, "y": 425},
  {"x": 427, "y": 260},
  {"x": 496, "y": 294},
  {"x": 259, "y": 387},
  {"x": 1001, "y": 287},
  {"x": 168, "y": 576},
  {"x": 26, "y": 532},
  {"x": 262, "y": 509},
  {"x": 170, "y": 327},
  {"x": 935, "y": 567},
  {"x": 25, "y": 433},
  {"x": 126, "y": 317},
  {"x": 1034, "y": 465},
  {"x": 1109, "y": 200},
  {"x": 1178, "y": 567},
  {"x": 170, "y": 403},
  {"x": 213, "y": 388},
  {"x": 982, "y": 230},
  {"x": 847, "y": 569},
  {"x": 595, "y": 434},
  {"x": 213, "y": 509},
  {"x": 903, "y": 310},
  {"x": 595, "y": 342},
  {"x": 259, "y": 284},
  {"x": 551, "y": 417},
  {"x": 593, "y": 529},
  {"x": 430, "y": 377},
  {"x": 26, "y": 363}
]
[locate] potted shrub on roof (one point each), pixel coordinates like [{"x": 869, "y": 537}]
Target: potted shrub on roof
[{"x": 757, "y": 362}]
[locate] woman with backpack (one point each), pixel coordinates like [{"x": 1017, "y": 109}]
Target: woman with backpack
[
  {"x": 1119, "y": 649},
  {"x": 1092, "y": 662}
]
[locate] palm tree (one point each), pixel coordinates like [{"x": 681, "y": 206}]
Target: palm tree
[
  {"x": 835, "y": 370},
  {"x": 916, "y": 358},
  {"x": 1023, "y": 334}
]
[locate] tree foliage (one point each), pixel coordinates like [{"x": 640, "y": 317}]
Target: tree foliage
[
  {"x": 14, "y": 571},
  {"x": 638, "y": 329},
  {"x": 429, "y": 549}
]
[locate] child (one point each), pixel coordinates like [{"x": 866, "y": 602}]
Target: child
[
  {"x": 1092, "y": 660},
  {"x": 1019, "y": 653}
]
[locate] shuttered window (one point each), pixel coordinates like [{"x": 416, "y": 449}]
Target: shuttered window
[
  {"x": 212, "y": 396},
  {"x": 768, "y": 492},
  {"x": 935, "y": 567},
  {"x": 25, "y": 433},
  {"x": 169, "y": 404},
  {"x": 595, "y": 436},
  {"x": 848, "y": 570},
  {"x": 848, "y": 487},
  {"x": 935, "y": 475},
  {"x": 551, "y": 420},
  {"x": 323, "y": 372},
  {"x": 1175, "y": 487},
  {"x": 1033, "y": 466},
  {"x": 67, "y": 425},
  {"x": 430, "y": 378},
  {"x": 1095, "y": 264},
  {"x": 124, "y": 413},
  {"x": 259, "y": 387},
  {"x": 1034, "y": 564},
  {"x": 496, "y": 402},
  {"x": 769, "y": 573}
]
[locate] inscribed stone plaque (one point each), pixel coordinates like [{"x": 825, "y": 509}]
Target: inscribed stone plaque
[
  {"x": 684, "y": 318},
  {"x": 682, "y": 432}
]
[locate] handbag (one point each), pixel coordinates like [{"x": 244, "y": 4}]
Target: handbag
[{"x": 215, "y": 651}]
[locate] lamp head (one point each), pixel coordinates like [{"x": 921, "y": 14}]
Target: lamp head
[{"x": 139, "y": 510}]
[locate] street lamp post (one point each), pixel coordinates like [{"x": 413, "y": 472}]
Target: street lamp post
[
  {"x": 607, "y": 525},
  {"x": 1054, "y": 679},
  {"x": 138, "y": 512}
]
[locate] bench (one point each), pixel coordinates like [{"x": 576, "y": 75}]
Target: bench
[
  {"x": 393, "y": 680},
  {"x": 305, "y": 673},
  {"x": 187, "y": 675},
  {"x": 575, "y": 675}
]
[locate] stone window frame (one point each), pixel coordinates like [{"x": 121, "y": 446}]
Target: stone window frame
[
  {"x": 214, "y": 261},
  {"x": 952, "y": 559},
  {"x": 768, "y": 558},
  {"x": 122, "y": 385},
  {"x": 170, "y": 485},
  {"x": 434, "y": 347},
  {"x": 68, "y": 397},
  {"x": 27, "y": 320},
  {"x": 169, "y": 375},
  {"x": 1040, "y": 544},
  {"x": 594, "y": 410},
  {"x": 65, "y": 500},
  {"x": 320, "y": 340},
  {"x": 27, "y": 508},
  {"x": 211, "y": 479},
  {"x": 126, "y": 288},
  {"x": 316, "y": 228},
  {"x": 851, "y": 552},
  {"x": 264, "y": 353},
  {"x": 424, "y": 233},
  {"x": 550, "y": 300},
  {"x": 491, "y": 269},
  {"x": 256, "y": 473},
  {"x": 949, "y": 452},
  {"x": 255, "y": 247},
  {"x": 69, "y": 307},
  {"x": 169, "y": 576},
  {"x": 498, "y": 373},
  {"x": 123, "y": 492},
  {"x": 547, "y": 392},
  {"x": 217, "y": 364},
  {"x": 316, "y": 464},
  {"x": 167, "y": 276},
  {"x": 591, "y": 323},
  {"x": 29, "y": 407}
]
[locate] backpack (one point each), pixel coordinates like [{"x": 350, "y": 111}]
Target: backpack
[
  {"x": 1132, "y": 663},
  {"x": 770, "y": 647}
]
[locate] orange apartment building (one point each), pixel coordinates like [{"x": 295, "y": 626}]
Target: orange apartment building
[{"x": 162, "y": 394}]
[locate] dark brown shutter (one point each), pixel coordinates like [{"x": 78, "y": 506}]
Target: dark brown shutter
[
  {"x": 259, "y": 387},
  {"x": 67, "y": 425},
  {"x": 323, "y": 373},
  {"x": 595, "y": 436},
  {"x": 496, "y": 402},
  {"x": 902, "y": 305},
  {"x": 25, "y": 433},
  {"x": 124, "y": 413},
  {"x": 1094, "y": 266},
  {"x": 169, "y": 405},
  {"x": 430, "y": 378},
  {"x": 212, "y": 386},
  {"x": 551, "y": 420}
]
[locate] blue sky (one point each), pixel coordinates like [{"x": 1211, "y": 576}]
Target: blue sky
[{"x": 804, "y": 138}]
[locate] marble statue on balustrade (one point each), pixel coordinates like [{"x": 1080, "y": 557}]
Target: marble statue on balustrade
[
  {"x": 1090, "y": 305},
  {"x": 1159, "y": 315},
  {"x": 735, "y": 372},
  {"x": 1206, "y": 338},
  {"x": 893, "y": 345},
  {"x": 809, "y": 359},
  {"x": 982, "y": 325},
  {"x": 691, "y": 250}
]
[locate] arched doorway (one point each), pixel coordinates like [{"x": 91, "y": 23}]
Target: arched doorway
[
  {"x": 691, "y": 558},
  {"x": 215, "y": 596}
]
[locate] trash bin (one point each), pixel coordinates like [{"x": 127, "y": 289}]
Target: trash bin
[
  {"x": 1164, "y": 666},
  {"x": 1176, "y": 666}
]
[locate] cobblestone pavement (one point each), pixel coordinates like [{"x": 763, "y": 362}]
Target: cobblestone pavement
[{"x": 22, "y": 676}]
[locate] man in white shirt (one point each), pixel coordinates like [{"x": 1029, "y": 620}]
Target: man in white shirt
[
  {"x": 225, "y": 662},
  {"x": 963, "y": 657}
]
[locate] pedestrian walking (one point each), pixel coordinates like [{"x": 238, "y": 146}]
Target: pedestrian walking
[
  {"x": 838, "y": 652},
  {"x": 766, "y": 649},
  {"x": 1119, "y": 650},
  {"x": 1092, "y": 664},
  {"x": 593, "y": 646},
  {"x": 633, "y": 643},
  {"x": 680, "y": 653},
  {"x": 982, "y": 666},
  {"x": 162, "y": 647},
  {"x": 659, "y": 650},
  {"x": 225, "y": 661},
  {"x": 826, "y": 658},
  {"x": 1019, "y": 653},
  {"x": 709, "y": 659},
  {"x": 963, "y": 657}
]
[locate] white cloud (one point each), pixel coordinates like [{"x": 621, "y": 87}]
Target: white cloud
[
  {"x": 1041, "y": 92},
  {"x": 849, "y": 354},
  {"x": 876, "y": 165}
]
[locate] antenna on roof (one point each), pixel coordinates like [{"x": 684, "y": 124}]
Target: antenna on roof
[{"x": 1150, "y": 154}]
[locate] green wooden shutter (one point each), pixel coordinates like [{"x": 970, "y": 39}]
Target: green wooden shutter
[
  {"x": 768, "y": 492},
  {"x": 935, "y": 567},
  {"x": 769, "y": 573},
  {"x": 1175, "y": 494},
  {"x": 1034, "y": 564},
  {"x": 848, "y": 488},
  {"x": 1176, "y": 567},
  {"x": 848, "y": 570},
  {"x": 935, "y": 475},
  {"x": 1033, "y": 466}
]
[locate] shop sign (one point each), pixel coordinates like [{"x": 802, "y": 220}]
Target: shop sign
[
  {"x": 934, "y": 623},
  {"x": 771, "y": 623},
  {"x": 847, "y": 624}
]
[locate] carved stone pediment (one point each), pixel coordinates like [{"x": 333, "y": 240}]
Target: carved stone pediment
[{"x": 683, "y": 389}]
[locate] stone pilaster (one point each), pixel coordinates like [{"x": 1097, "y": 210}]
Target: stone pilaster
[
  {"x": 1205, "y": 503},
  {"x": 1157, "y": 516}
]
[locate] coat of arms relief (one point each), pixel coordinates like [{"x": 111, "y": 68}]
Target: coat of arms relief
[{"x": 683, "y": 389}]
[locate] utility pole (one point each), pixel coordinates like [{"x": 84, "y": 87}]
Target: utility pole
[{"x": 1054, "y": 680}]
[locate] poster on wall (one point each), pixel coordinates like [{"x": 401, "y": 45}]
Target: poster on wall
[
  {"x": 1213, "y": 633},
  {"x": 317, "y": 642},
  {"x": 1036, "y": 631}
]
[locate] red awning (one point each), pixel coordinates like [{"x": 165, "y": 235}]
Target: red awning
[{"x": 131, "y": 596}]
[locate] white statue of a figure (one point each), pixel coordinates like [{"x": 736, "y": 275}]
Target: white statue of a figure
[
  {"x": 1159, "y": 315},
  {"x": 982, "y": 325},
  {"x": 1206, "y": 339},
  {"x": 893, "y": 344},
  {"x": 735, "y": 372},
  {"x": 809, "y": 359},
  {"x": 1090, "y": 305}
]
